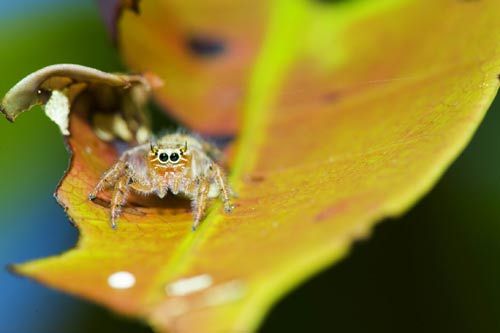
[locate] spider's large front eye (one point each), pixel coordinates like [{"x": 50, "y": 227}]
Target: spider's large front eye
[
  {"x": 174, "y": 157},
  {"x": 163, "y": 157}
]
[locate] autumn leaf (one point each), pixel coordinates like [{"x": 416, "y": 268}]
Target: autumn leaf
[{"x": 347, "y": 113}]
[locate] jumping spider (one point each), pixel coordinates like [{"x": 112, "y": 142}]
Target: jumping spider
[{"x": 176, "y": 162}]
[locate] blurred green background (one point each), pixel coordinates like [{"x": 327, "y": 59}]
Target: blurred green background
[{"x": 435, "y": 269}]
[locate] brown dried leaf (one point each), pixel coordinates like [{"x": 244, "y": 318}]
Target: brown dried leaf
[{"x": 117, "y": 101}]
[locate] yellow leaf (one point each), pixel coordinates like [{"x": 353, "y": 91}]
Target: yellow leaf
[{"x": 351, "y": 112}]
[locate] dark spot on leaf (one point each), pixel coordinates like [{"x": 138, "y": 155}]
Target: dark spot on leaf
[
  {"x": 255, "y": 178},
  {"x": 206, "y": 47},
  {"x": 331, "y": 97}
]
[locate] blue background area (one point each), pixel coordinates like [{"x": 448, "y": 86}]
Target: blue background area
[{"x": 434, "y": 270}]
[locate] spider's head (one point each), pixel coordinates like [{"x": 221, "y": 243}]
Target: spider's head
[{"x": 169, "y": 157}]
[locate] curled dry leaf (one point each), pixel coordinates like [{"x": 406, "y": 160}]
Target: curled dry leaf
[
  {"x": 116, "y": 102},
  {"x": 351, "y": 111}
]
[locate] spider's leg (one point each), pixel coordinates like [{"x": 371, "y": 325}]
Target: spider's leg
[
  {"x": 225, "y": 189},
  {"x": 119, "y": 198},
  {"x": 200, "y": 202},
  {"x": 109, "y": 178}
]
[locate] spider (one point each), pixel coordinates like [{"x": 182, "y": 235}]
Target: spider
[{"x": 179, "y": 163}]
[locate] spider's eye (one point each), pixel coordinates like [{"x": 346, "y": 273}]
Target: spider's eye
[
  {"x": 163, "y": 157},
  {"x": 174, "y": 157}
]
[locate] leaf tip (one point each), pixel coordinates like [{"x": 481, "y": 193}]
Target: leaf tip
[{"x": 14, "y": 269}]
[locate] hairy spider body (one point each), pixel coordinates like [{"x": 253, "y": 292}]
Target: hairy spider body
[{"x": 178, "y": 163}]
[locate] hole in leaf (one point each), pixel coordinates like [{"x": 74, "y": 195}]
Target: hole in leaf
[{"x": 205, "y": 46}]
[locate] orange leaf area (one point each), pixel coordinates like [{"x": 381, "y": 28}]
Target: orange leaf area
[
  {"x": 204, "y": 50},
  {"x": 101, "y": 251},
  {"x": 351, "y": 113}
]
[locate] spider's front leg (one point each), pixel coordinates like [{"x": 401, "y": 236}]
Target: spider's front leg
[
  {"x": 109, "y": 178},
  {"x": 116, "y": 177}
]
